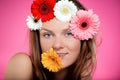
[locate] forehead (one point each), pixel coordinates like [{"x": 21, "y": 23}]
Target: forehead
[{"x": 55, "y": 24}]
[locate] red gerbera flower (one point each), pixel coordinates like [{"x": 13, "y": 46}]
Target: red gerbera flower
[{"x": 43, "y": 9}]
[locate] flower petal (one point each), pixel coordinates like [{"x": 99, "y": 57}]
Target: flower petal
[
  {"x": 32, "y": 24},
  {"x": 64, "y": 9},
  {"x": 89, "y": 29},
  {"x": 43, "y": 9},
  {"x": 51, "y": 60}
]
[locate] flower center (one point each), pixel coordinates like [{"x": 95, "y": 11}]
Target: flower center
[
  {"x": 35, "y": 20},
  {"x": 84, "y": 25},
  {"x": 53, "y": 59},
  {"x": 65, "y": 11},
  {"x": 44, "y": 9}
]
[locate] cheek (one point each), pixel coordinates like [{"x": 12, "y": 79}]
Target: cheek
[
  {"x": 74, "y": 46},
  {"x": 45, "y": 45},
  {"x": 74, "y": 51}
]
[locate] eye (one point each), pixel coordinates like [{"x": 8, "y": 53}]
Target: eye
[
  {"x": 68, "y": 34},
  {"x": 47, "y": 35}
]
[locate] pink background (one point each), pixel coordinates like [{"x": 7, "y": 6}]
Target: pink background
[{"x": 14, "y": 34}]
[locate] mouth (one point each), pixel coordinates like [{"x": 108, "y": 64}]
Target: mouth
[{"x": 62, "y": 55}]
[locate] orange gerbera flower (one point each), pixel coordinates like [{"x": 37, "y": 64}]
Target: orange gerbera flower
[{"x": 51, "y": 60}]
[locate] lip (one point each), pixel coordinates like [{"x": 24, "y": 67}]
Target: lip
[{"x": 62, "y": 55}]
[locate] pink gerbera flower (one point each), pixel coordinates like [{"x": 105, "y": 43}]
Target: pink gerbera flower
[
  {"x": 43, "y": 9},
  {"x": 84, "y": 25}
]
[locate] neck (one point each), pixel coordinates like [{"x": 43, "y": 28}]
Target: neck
[{"x": 61, "y": 74}]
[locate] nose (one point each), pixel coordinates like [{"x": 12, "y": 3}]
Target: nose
[{"x": 58, "y": 44}]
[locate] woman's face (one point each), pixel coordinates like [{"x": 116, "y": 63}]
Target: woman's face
[{"x": 56, "y": 34}]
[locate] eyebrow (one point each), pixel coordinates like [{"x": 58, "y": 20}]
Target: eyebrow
[
  {"x": 46, "y": 30},
  {"x": 64, "y": 30}
]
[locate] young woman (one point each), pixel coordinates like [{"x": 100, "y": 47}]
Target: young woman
[{"x": 66, "y": 27}]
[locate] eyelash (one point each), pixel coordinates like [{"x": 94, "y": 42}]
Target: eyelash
[
  {"x": 49, "y": 35},
  {"x": 68, "y": 34}
]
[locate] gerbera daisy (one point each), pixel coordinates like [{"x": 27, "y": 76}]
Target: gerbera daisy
[
  {"x": 51, "y": 60},
  {"x": 84, "y": 25},
  {"x": 33, "y": 24},
  {"x": 64, "y": 9},
  {"x": 43, "y": 9}
]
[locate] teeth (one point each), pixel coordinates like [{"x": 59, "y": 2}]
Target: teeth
[{"x": 61, "y": 55}]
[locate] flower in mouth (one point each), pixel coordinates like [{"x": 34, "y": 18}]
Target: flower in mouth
[
  {"x": 64, "y": 9},
  {"x": 84, "y": 25},
  {"x": 33, "y": 24},
  {"x": 51, "y": 60},
  {"x": 43, "y": 9}
]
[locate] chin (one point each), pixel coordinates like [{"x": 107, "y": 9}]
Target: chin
[{"x": 65, "y": 66}]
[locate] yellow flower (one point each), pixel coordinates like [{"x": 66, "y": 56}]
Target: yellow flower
[{"x": 51, "y": 60}]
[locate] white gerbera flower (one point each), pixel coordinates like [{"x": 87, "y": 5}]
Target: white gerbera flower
[
  {"x": 33, "y": 24},
  {"x": 64, "y": 9}
]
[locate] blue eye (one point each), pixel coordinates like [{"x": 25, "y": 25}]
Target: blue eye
[
  {"x": 68, "y": 34},
  {"x": 47, "y": 35}
]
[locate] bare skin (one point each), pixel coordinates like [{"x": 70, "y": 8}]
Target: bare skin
[{"x": 19, "y": 68}]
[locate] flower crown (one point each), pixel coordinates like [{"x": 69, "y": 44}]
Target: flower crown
[{"x": 83, "y": 24}]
